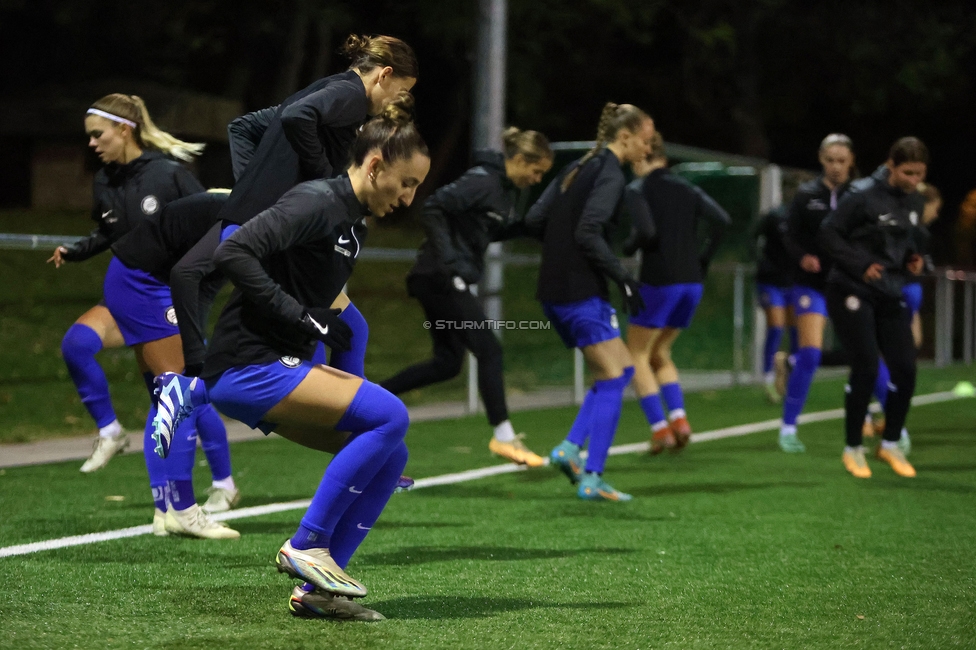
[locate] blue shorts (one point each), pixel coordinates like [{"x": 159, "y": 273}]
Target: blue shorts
[
  {"x": 670, "y": 305},
  {"x": 772, "y": 296},
  {"x": 247, "y": 393},
  {"x": 912, "y": 293},
  {"x": 140, "y": 304},
  {"x": 805, "y": 300},
  {"x": 583, "y": 323}
]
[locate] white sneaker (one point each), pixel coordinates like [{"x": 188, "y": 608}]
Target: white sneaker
[
  {"x": 194, "y": 522},
  {"x": 103, "y": 450},
  {"x": 221, "y": 500},
  {"x": 159, "y": 523}
]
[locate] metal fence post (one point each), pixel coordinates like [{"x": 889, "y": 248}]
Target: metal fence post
[
  {"x": 738, "y": 322},
  {"x": 578, "y": 387},
  {"x": 758, "y": 339},
  {"x": 944, "y": 299},
  {"x": 473, "y": 371}
]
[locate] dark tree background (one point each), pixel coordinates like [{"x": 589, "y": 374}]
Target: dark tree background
[{"x": 767, "y": 78}]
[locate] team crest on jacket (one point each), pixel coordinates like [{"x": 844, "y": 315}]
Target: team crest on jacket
[
  {"x": 614, "y": 323},
  {"x": 171, "y": 316},
  {"x": 150, "y": 204},
  {"x": 805, "y": 302},
  {"x": 290, "y": 362},
  {"x": 853, "y": 303}
]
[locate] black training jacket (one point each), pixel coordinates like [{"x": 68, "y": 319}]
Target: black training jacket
[
  {"x": 775, "y": 266},
  {"x": 874, "y": 225},
  {"x": 161, "y": 239},
  {"x": 124, "y": 195},
  {"x": 808, "y": 209},
  {"x": 295, "y": 255},
  {"x": 575, "y": 226},
  {"x": 462, "y": 218},
  {"x": 675, "y": 255},
  {"x": 329, "y": 111}
]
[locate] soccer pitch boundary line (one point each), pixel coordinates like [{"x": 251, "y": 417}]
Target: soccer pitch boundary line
[{"x": 445, "y": 479}]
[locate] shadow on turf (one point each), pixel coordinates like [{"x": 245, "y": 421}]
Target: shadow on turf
[
  {"x": 447, "y": 607},
  {"x": 423, "y": 554}
]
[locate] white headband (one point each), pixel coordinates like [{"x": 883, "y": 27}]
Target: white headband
[{"x": 109, "y": 116}]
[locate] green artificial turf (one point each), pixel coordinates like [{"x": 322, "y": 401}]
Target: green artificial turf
[
  {"x": 730, "y": 544},
  {"x": 38, "y": 304}
]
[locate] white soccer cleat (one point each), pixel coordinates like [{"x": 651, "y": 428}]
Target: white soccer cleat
[
  {"x": 159, "y": 523},
  {"x": 221, "y": 500},
  {"x": 194, "y": 522},
  {"x": 103, "y": 450},
  {"x": 322, "y": 604}
]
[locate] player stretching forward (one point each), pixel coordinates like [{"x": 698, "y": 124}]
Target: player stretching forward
[
  {"x": 288, "y": 265},
  {"x": 138, "y": 307},
  {"x": 870, "y": 242},
  {"x": 573, "y": 215},
  {"x": 461, "y": 219},
  {"x": 810, "y": 206},
  {"x": 673, "y": 267}
]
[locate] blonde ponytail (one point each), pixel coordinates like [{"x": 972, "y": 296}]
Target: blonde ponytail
[
  {"x": 533, "y": 145},
  {"x": 613, "y": 117},
  {"x": 132, "y": 109}
]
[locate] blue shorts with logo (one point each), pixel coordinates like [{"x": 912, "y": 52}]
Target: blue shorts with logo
[
  {"x": 772, "y": 296},
  {"x": 583, "y": 323},
  {"x": 912, "y": 293},
  {"x": 247, "y": 393},
  {"x": 669, "y": 305},
  {"x": 805, "y": 300},
  {"x": 140, "y": 304}
]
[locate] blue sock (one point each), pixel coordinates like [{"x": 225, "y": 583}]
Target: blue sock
[
  {"x": 181, "y": 494},
  {"x": 774, "y": 335},
  {"x": 179, "y": 465},
  {"x": 807, "y": 362},
  {"x": 881, "y": 383},
  {"x": 604, "y": 417},
  {"x": 653, "y": 409},
  {"x": 580, "y": 430},
  {"x": 352, "y": 528},
  {"x": 155, "y": 466},
  {"x": 79, "y": 347},
  {"x": 213, "y": 437},
  {"x": 353, "y": 361},
  {"x": 794, "y": 340},
  {"x": 673, "y": 396},
  {"x": 377, "y": 422}
]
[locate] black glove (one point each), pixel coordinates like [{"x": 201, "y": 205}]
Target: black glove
[
  {"x": 633, "y": 302},
  {"x": 326, "y": 326}
]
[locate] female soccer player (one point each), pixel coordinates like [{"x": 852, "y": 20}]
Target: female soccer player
[
  {"x": 461, "y": 219},
  {"x": 870, "y": 242},
  {"x": 137, "y": 181},
  {"x": 572, "y": 216},
  {"x": 774, "y": 283},
  {"x": 672, "y": 271},
  {"x": 305, "y": 137},
  {"x": 288, "y": 265},
  {"x": 810, "y": 206}
]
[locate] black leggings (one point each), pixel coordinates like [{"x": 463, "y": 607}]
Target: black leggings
[
  {"x": 866, "y": 326},
  {"x": 442, "y": 303}
]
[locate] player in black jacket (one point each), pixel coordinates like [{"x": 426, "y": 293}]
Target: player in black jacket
[
  {"x": 288, "y": 265},
  {"x": 460, "y": 220},
  {"x": 574, "y": 215},
  {"x": 810, "y": 206},
  {"x": 673, "y": 267},
  {"x": 774, "y": 284},
  {"x": 137, "y": 182},
  {"x": 869, "y": 239},
  {"x": 305, "y": 137}
]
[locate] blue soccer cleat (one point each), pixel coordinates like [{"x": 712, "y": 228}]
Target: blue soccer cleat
[
  {"x": 404, "y": 483},
  {"x": 176, "y": 397},
  {"x": 566, "y": 458},
  {"x": 593, "y": 488}
]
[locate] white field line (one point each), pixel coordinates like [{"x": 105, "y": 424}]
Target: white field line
[{"x": 444, "y": 479}]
